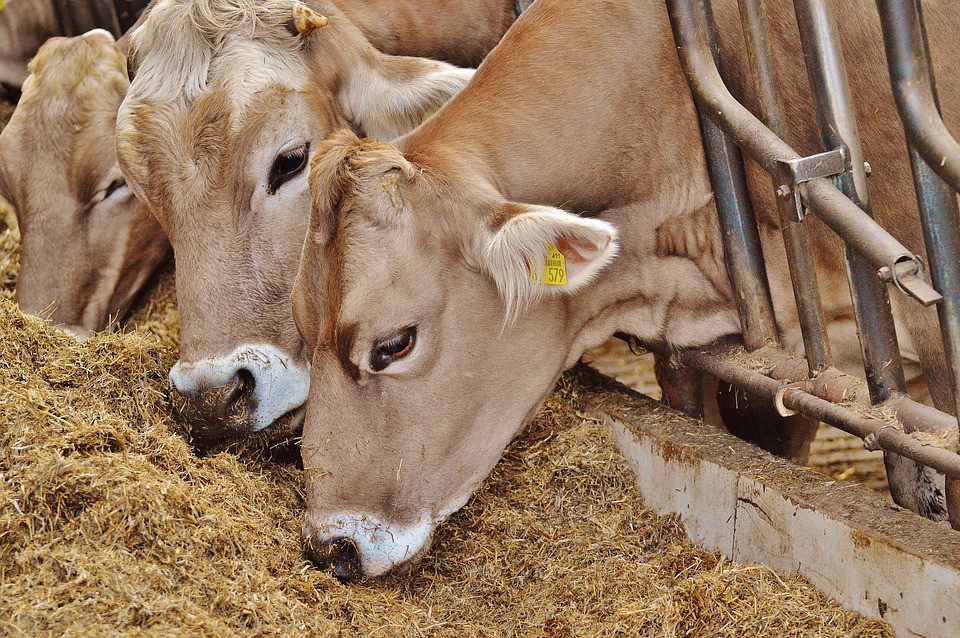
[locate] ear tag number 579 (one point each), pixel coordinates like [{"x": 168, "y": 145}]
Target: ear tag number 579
[{"x": 554, "y": 268}]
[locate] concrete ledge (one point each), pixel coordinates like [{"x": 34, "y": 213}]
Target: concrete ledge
[{"x": 867, "y": 553}]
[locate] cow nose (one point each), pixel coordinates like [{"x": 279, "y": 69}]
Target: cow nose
[
  {"x": 340, "y": 553},
  {"x": 234, "y": 396},
  {"x": 217, "y": 411}
]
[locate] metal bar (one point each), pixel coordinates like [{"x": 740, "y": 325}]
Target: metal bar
[
  {"x": 803, "y": 274},
  {"x": 914, "y": 90},
  {"x": 768, "y": 150},
  {"x": 833, "y": 109},
  {"x": 911, "y": 74},
  {"x": 741, "y": 239},
  {"x": 887, "y": 438}
]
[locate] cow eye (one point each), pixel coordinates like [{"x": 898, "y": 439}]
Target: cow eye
[
  {"x": 392, "y": 348},
  {"x": 114, "y": 186},
  {"x": 286, "y": 166}
]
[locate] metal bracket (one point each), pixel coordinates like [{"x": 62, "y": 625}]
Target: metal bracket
[{"x": 796, "y": 171}]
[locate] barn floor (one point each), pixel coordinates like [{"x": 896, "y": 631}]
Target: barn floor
[{"x": 112, "y": 524}]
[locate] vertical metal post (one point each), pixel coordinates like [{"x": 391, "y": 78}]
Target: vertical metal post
[
  {"x": 833, "y": 107},
  {"x": 838, "y": 127},
  {"x": 803, "y": 274},
  {"x": 741, "y": 239},
  {"x": 908, "y": 57}
]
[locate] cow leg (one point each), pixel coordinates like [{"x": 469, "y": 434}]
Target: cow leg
[
  {"x": 735, "y": 411},
  {"x": 757, "y": 421},
  {"x": 681, "y": 386}
]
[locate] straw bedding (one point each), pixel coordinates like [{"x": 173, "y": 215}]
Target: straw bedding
[{"x": 112, "y": 524}]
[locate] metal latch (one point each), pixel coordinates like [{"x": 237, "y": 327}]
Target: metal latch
[
  {"x": 907, "y": 275},
  {"x": 796, "y": 171}
]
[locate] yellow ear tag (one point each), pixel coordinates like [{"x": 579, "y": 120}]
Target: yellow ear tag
[
  {"x": 554, "y": 268},
  {"x": 1, "y": 5}
]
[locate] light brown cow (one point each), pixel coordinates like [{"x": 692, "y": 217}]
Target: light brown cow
[
  {"x": 228, "y": 104},
  {"x": 88, "y": 245},
  {"x": 442, "y": 291},
  {"x": 26, "y": 24}
]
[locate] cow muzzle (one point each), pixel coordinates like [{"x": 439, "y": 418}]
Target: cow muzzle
[
  {"x": 359, "y": 546},
  {"x": 238, "y": 395}
]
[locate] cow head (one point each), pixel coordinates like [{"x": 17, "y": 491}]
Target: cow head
[
  {"x": 229, "y": 103},
  {"x": 88, "y": 245},
  {"x": 434, "y": 338}
]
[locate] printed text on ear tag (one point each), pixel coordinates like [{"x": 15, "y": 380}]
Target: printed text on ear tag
[{"x": 554, "y": 268}]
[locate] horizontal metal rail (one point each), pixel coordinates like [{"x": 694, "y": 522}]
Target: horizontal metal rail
[
  {"x": 880, "y": 433},
  {"x": 820, "y": 195}
]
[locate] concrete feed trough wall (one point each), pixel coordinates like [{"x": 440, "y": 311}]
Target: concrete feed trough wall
[{"x": 872, "y": 556}]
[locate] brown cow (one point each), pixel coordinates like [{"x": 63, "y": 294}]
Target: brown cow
[
  {"x": 26, "y": 24},
  {"x": 227, "y": 106},
  {"x": 442, "y": 291},
  {"x": 88, "y": 245}
]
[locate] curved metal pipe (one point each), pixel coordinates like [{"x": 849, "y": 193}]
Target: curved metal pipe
[
  {"x": 772, "y": 153},
  {"x": 914, "y": 90}
]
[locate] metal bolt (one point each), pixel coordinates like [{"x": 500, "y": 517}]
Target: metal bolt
[
  {"x": 867, "y": 168},
  {"x": 784, "y": 192}
]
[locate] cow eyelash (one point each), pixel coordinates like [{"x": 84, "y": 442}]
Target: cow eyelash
[
  {"x": 114, "y": 186},
  {"x": 392, "y": 348},
  {"x": 286, "y": 166}
]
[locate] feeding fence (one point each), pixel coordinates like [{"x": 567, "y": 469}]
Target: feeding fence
[{"x": 832, "y": 186}]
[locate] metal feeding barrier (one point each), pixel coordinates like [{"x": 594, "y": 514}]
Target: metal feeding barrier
[{"x": 833, "y": 187}]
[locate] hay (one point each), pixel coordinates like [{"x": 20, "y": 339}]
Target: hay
[{"x": 111, "y": 523}]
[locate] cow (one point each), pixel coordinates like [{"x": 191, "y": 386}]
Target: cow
[
  {"x": 88, "y": 245},
  {"x": 27, "y": 24},
  {"x": 229, "y": 102},
  {"x": 445, "y": 285}
]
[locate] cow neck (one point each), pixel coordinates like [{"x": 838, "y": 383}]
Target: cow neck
[{"x": 461, "y": 33}]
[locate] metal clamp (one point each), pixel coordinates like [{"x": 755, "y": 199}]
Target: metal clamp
[
  {"x": 778, "y": 404},
  {"x": 795, "y": 172},
  {"x": 872, "y": 441},
  {"x": 907, "y": 275}
]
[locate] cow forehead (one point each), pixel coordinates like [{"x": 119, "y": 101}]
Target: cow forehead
[
  {"x": 197, "y": 150},
  {"x": 186, "y": 46}
]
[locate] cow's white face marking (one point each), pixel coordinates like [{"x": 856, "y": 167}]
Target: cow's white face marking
[{"x": 280, "y": 385}]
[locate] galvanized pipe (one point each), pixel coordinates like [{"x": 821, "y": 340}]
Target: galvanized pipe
[
  {"x": 914, "y": 90},
  {"x": 833, "y": 108},
  {"x": 803, "y": 274},
  {"x": 911, "y": 73},
  {"x": 741, "y": 239},
  {"x": 691, "y": 33},
  {"x": 886, "y": 437}
]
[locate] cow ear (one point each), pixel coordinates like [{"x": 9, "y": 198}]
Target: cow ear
[
  {"x": 394, "y": 94},
  {"x": 539, "y": 250}
]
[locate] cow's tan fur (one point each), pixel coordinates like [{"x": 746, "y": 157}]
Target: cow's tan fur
[
  {"x": 220, "y": 87},
  {"x": 83, "y": 257},
  {"x": 24, "y": 26},
  {"x": 583, "y": 105}
]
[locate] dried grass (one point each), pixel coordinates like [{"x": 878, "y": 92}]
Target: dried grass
[{"x": 111, "y": 524}]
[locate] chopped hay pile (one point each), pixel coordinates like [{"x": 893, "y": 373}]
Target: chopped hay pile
[{"x": 111, "y": 524}]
